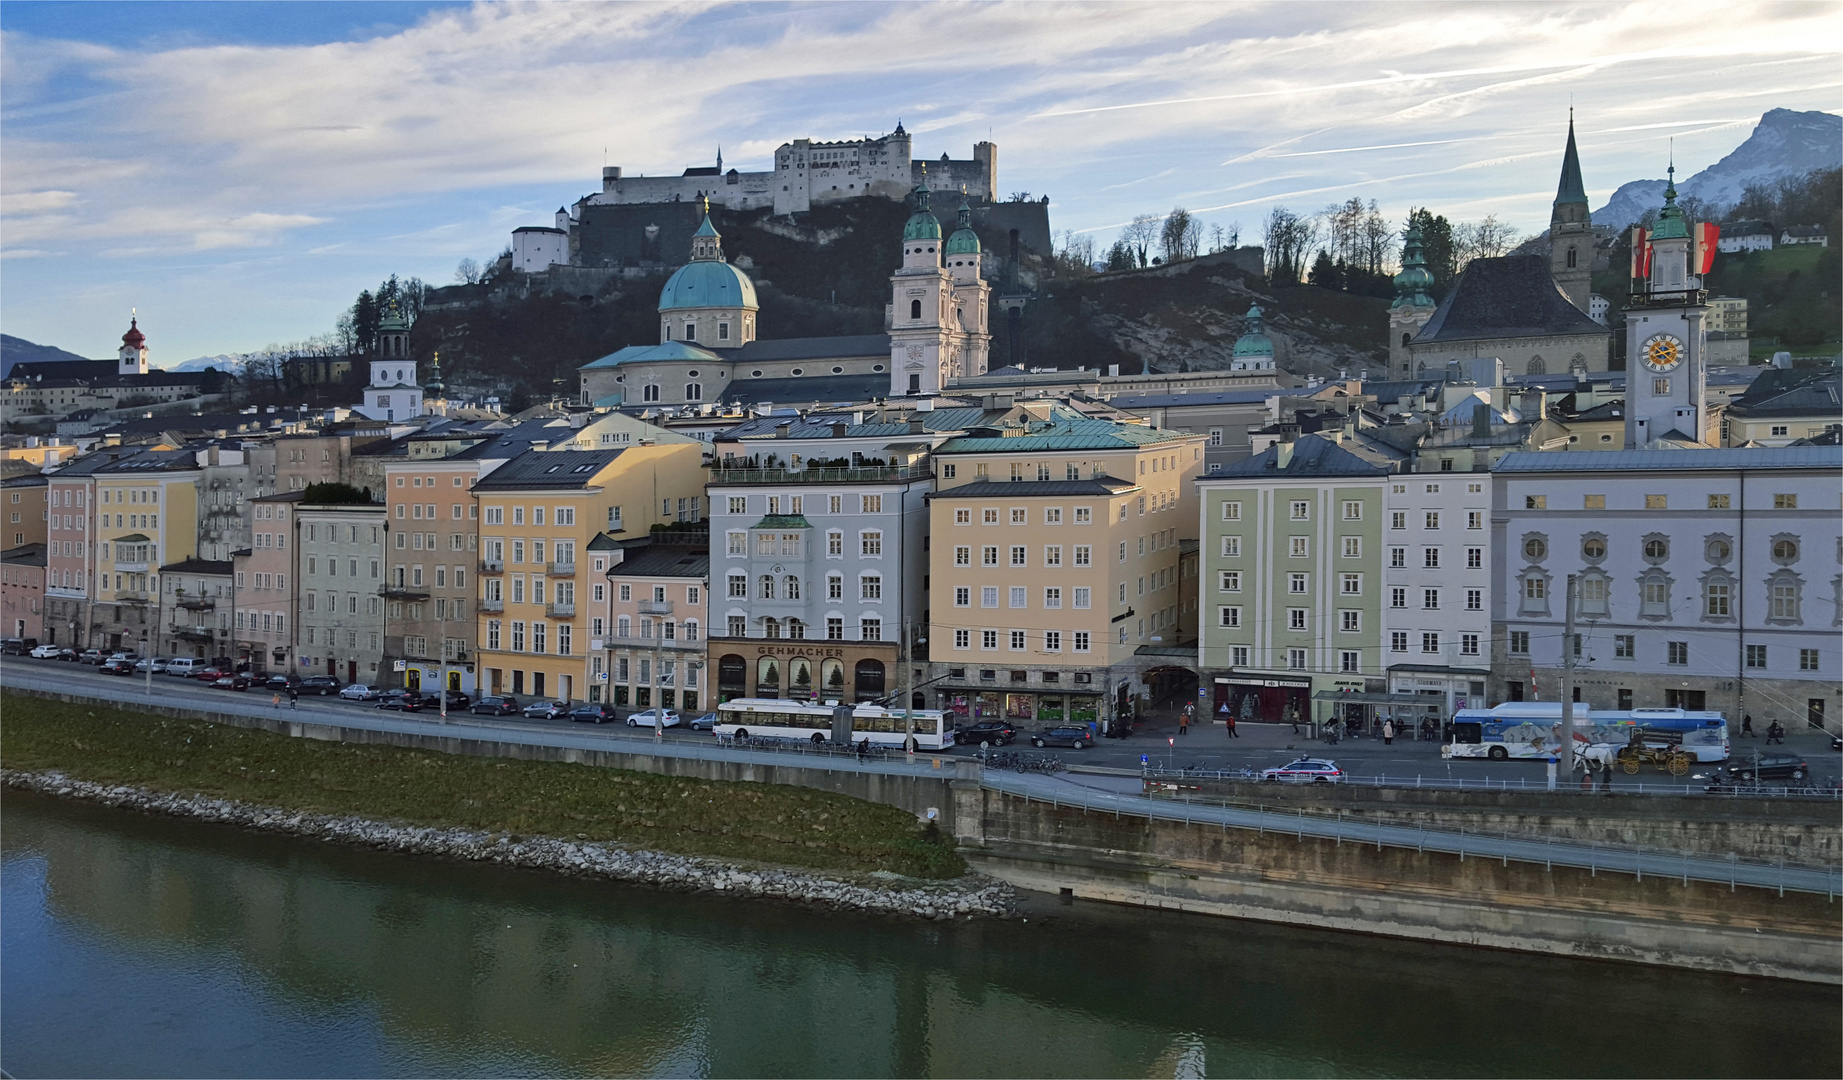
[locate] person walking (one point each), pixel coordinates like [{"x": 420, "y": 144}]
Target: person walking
[
  {"x": 1747, "y": 726},
  {"x": 1233, "y": 734},
  {"x": 1292, "y": 717},
  {"x": 1775, "y": 734},
  {"x": 1183, "y": 721},
  {"x": 276, "y": 701},
  {"x": 1388, "y": 732},
  {"x": 294, "y": 698},
  {"x": 1606, "y": 776}
]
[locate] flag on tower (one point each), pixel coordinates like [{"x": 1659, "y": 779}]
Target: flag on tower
[
  {"x": 1641, "y": 252},
  {"x": 1706, "y": 234}
]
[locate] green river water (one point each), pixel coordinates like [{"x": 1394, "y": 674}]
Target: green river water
[{"x": 143, "y": 946}]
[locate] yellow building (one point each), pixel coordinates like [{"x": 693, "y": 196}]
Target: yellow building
[
  {"x": 538, "y": 513},
  {"x": 1061, "y": 556},
  {"x": 146, "y": 517}
]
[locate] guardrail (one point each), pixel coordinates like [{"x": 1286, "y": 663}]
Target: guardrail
[
  {"x": 1593, "y": 857},
  {"x": 1563, "y": 786}
]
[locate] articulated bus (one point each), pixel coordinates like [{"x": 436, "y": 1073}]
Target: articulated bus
[
  {"x": 1526, "y": 729},
  {"x": 779, "y": 718}
]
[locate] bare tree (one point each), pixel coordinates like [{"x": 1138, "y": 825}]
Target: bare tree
[
  {"x": 1139, "y": 237},
  {"x": 1485, "y": 239},
  {"x": 468, "y": 273},
  {"x": 1378, "y": 240},
  {"x": 1180, "y": 235},
  {"x": 1290, "y": 240}
]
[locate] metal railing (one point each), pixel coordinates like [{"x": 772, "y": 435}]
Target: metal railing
[
  {"x": 1563, "y": 786},
  {"x": 863, "y": 473},
  {"x": 493, "y": 607},
  {"x": 655, "y": 607},
  {"x": 133, "y": 596},
  {"x": 561, "y": 569},
  {"x": 492, "y": 566},
  {"x": 197, "y": 603},
  {"x": 560, "y": 611}
]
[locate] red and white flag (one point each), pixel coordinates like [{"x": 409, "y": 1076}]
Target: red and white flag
[
  {"x": 1641, "y": 252},
  {"x": 1707, "y": 234}
]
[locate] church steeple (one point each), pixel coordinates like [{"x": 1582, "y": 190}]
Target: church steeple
[
  {"x": 1571, "y": 230},
  {"x": 707, "y": 242}
]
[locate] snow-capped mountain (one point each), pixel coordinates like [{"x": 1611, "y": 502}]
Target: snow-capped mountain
[{"x": 1784, "y": 144}]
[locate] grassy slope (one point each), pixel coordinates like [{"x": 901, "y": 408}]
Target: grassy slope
[{"x": 760, "y": 822}]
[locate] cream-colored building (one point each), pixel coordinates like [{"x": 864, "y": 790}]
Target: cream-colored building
[
  {"x": 146, "y": 517},
  {"x": 1060, "y": 557}
]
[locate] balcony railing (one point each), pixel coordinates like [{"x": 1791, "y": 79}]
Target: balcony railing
[
  {"x": 198, "y": 603},
  {"x": 845, "y": 475},
  {"x": 492, "y": 566},
  {"x": 1670, "y": 298},
  {"x": 133, "y": 596},
  {"x": 493, "y": 607},
  {"x": 560, "y": 611},
  {"x": 561, "y": 569},
  {"x": 635, "y": 641},
  {"x": 655, "y": 607},
  {"x": 403, "y": 592},
  {"x": 193, "y": 633},
  {"x": 131, "y": 568}
]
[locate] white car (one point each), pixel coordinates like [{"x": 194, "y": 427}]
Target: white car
[
  {"x": 653, "y": 718},
  {"x": 45, "y": 652},
  {"x": 360, "y": 692},
  {"x": 158, "y": 663}
]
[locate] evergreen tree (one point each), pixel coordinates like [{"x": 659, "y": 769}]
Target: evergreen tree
[{"x": 365, "y": 319}]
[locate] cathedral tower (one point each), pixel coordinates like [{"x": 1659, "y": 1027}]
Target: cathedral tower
[
  {"x": 925, "y": 343},
  {"x": 971, "y": 294},
  {"x": 1666, "y": 333},
  {"x": 1413, "y": 305},
  {"x": 1571, "y": 230}
]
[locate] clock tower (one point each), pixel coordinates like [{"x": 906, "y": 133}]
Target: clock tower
[{"x": 1665, "y": 333}]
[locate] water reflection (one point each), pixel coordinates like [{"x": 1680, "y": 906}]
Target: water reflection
[{"x": 142, "y": 946}]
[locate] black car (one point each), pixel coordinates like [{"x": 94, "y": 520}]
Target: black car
[
  {"x": 324, "y": 685},
  {"x": 985, "y": 733},
  {"x": 594, "y": 713},
  {"x": 1078, "y": 737},
  {"x": 18, "y": 646},
  {"x": 116, "y": 667},
  {"x": 1749, "y": 768},
  {"x": 283, "y": 682},
  {"x": 405, "y": 700},
  {"x": 495, "y": 705}
]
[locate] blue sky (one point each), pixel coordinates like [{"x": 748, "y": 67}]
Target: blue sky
[{"x": 239, "y": 171}]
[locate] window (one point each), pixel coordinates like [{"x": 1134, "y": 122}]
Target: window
[
  {"x": 989, "y": 516},
  {"x": 1052, "y": 597},
  {"x": 1785, "y": 551},
  {"x": 1475, "y": 599},
  {"x": 1018, "y": 555},
  {"x": 1785, "y": 502},
  {"x": 1657, "y": 502},
  {"x": 988, "y": 555},
  {"x": 1398, "y": 519},
  {"x": 1296, "y": 659},
  {"x": 962, "y": 517},
  {"x": 988, "y": 596},
  {"x": 835, "y": 544},
  {"x": 835, "y": 628},
  {"x": 1229, "y": 617},
  {"x": 1231, "y": 547},
  {"x": 1807, "y": 660},
  {"x": 1295, "y": 618},
  {"x": 963, "y": 555},
  {"x": 1301, "y": 511},
  {"x": 1718, "y": 502},
  {"x": 1348, "y": 660},
  {"x": 1301, "y": 547},
  {"x": 1468, "y": 644},
  {"x": 1474, "y": 519},
  {"x": 872, "y": 504},
  {"x": 1677, "y": 653},
  {"x": 1625, "y": 646},
  {"x": 1350, "y": 622},
  {"x": 1398, "y": 597},
  {"x": 1052, "y": 555},
  {"x": 1535, "y": 502},
  {"x": 1084, "y": 555},
  {"x": 1430, "y": 599},
  {"x": 1052, "y": 641},
  {"x": 962, "y": 639},
  {"x": 1519, "y": 642},
  {"x": 1430, "y": 641},
  {"x": 1353, "y": 547},
  {"x": 1716, "y": 596},
  {"x": 1084, "y": 515},
  {"x": 1231, "y": 511},
  {"x": 872, "y": 587},
  {"x": 872, "y": 542},
  {"x": 1398, "y": 557},
  {"x": 1398, "y": 641},
  {"x": 1756, "y": 656},
  {"x": 1474, "y": 558},
  {"x": 962, "y": 596},
  {"x": 1297, "y": 583},
  {"x": 1654, "y": 595},
  {"x": 1052, "y": 515},
  {"x": 1081, "y": 641},
  {"x": 870, "y": 630},
  {"x": 1083, "y": 597},
  {"x": 1020, "y": 516},
  {"x": 1019, "y": 597},
  {"x": 835, "y": 587},
  {"x": 739, "y": 587},
  {"x": 1783, "y": 599},
  {"x": 1593, "y": 502},
  {"x": 1535, "y": 549},
  {"x": 1238, "y": 656},
  {"x": 1657, "y": 549},
  {"x": 988, "y": 639},
  {"x": 1353, "y": 511},
  {"x": 1350, "y": 584},
  {"x": 1433, "y": 519}
]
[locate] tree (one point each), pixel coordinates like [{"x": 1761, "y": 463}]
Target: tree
[
  {"x": 1139, "y": 236},
  {"x": 1119, "y": 256},
  {"x": 1180, "y": 235},
  {"x": 1485, "y": 239},
  {"x": 1327, "y": 274},
  {"x": 1075, "y": 254},
  {"x": 365, "y": 320},
  {"x": 467, "y": 273},
  {"x": 1290, "y": 240}
]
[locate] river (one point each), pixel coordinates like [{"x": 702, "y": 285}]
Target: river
[{"x": 143, "y": 946}]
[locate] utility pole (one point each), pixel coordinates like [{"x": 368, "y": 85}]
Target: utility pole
[
  {"x": 908, "y": 695},
  {"x": 441, "y": 630},
  {"x": 1567, "y": 674}
]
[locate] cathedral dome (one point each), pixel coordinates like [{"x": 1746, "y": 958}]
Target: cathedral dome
[
  {"x": 923, "y": 225},
  {"x": 708, "y": 285},
  {"x": 1254, "y": 344},
  {"x": 964, "y": 240}
]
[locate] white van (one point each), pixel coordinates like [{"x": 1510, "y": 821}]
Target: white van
[{"x": 183, "y": 667}]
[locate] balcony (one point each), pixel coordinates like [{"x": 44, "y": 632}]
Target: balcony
[
  {"x": 834, "y": 475},
  {"x": 198, "y": 603},
  {"x": 193, "y": 633},
  {"x": 1672, "y": 298},
  {"x": 493, "y": 566},
  {"x": 560, "y": 611},
  {"x": 403, "y": 592},
  {"x": 493, "y": 607},
  {"x": 635, "y": 642},
  {"x": 655, "y": 607},
  {"x": 561, "y": 569},
  {"x": 133, "y": 596}
]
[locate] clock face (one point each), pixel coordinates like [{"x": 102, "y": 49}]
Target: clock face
[{"x": 1663, "y": 352}]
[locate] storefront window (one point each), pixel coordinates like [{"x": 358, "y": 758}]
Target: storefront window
[
  {"x": 1084, "y": 710},
  {"x": 985, "y": 706},
  {"x": 1050, "y": 708},
  {"x": 1020, "y": 706}
]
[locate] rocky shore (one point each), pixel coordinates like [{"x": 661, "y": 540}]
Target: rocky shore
[{"x": 968, "y": 897}]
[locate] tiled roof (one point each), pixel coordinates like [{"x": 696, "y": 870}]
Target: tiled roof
[
  {"x": 1062, "y": 433},
  {"x": 1815, "y": 395},
  {"x": 1312, "y": 455},
  {"x": 1211, "y": 397},
  {"x": 813, "y": 348},
  {"x": 24, "y": 555},
  {"x": 1023, "y": 489},
  {"x": 783, "y": 521},
  {"x": 659, "y": 561},
  {"x": 1507, "y": 296},
  {"x": 199, "y": 566},
  {"x": 547, "y": 469},
  {"x": 1781, "y": 457}
]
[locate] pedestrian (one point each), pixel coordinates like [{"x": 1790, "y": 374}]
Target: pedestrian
[
  {"x": 1747, "y": 726},
  {"x": 1292, "y": 717},
  {"x": 1233, "y": 734},
  {"x": 1775, "y": 734},
  {"x": 1606, "y": 776},
  {"x": 1183, "y": 721},
  {"x": 294, "y": 698},
  {"x": 276, "y": 700},
  {"x": 1388, "y": 733}
]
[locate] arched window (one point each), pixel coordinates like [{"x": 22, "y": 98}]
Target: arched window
[
  {"x": 1654, "y": 595},
  {"x": 915, "y": 309},
  {"x": 800, "y": 675},
  {"x": 771, "y": 628},
  {"x": 793, "y": 587},
  {"x": 768, "y": 677},
  {"x": 649, "y": 393},
  {"x": 1571, "y": 257},
  {"x": 694, "y": 392},
  {"x": 796, "y": 629},
  {"x": 732, "y": 674},
  {"x": 1783, "y": 597},
  {"x": 1536, "y": 367},
  {"x": 868, "y": 682},
  {"x": 739, "y": 587},
  {"x": 832, "y": 676},
  {"x": 767, "y": 587},
  {"x": 1405, "y": 338}
]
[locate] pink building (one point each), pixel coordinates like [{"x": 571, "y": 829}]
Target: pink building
[{"x": 264, "y": 616}]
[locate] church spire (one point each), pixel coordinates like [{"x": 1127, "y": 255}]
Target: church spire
[
  {"x": 1412, "y": 284},
  {"x": 1571, "y": 189},
  {"x": 707, "y": 242}
]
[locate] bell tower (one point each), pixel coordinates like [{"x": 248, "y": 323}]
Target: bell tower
[
  {"x": 1666, "y": 334},
  {"x": 1571, "y": 230},
  {"x": 924, "y": 342},
  {"x": 1412, "y": 307},
  {"x": 131, "y": 358}
]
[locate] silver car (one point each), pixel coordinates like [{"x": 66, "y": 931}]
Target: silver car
[{"x": 359, "y": 692}]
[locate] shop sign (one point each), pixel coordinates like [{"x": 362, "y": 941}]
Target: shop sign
[
  {"x": 1350, "y": 685},
  {"x": 797, "y": 650}
]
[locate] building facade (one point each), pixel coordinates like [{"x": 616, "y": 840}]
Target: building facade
[
  {"x": 1436, "y": 590},
  {"x": 1705, "y": 579},
  {"x": 429, "y": 583},
  {"x": 265, "y": 607},
  {"x": 650, "y": 617},
  {"x": 196, "y": 608},
  {"x": 340, "y": 549},
  {"x": 22, "y": 593},
  {"x": 147, "y": 517}
]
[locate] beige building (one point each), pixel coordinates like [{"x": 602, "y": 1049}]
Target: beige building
[
  {"x": 147, "y": 515},
  {"x": 1057, "y": 561},
  {"x": 538, "y": 514},
  {"x": 649, "y": 601},
  {"x": 264, "y": 610},
  {"x": 430, "y": 557}
]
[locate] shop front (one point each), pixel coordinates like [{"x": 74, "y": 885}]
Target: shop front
[
  {"x": 802, "y": 670},
  {"x": 1261, "y": 697},
  {"x": 1025, "y": 710}
]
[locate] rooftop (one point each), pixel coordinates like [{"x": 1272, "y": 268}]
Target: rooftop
[
  {"x": 1101, "y": 486},
  {"x": 1507, "y": 296},
  {"x": 1312, "y": 455},
  {"x": 548, "y": 469},
  {"x": 1783, "y": 457}
]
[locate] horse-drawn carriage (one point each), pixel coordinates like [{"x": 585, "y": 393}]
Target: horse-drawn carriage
[{"x": 1652, "y": 747}]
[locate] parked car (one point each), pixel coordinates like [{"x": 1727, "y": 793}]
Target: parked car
[
  {"x": 1748, "y": 768},
  {"x": 158, "y": 663},
  {"x": 183, "y": 667},
  {"x": 44, "y": 652},
  {"x": 66, "y": 655},
  {"x": 209, "y": 674},
  {"x": 283, "y": 682},
  {"x": 91, "y": 656},
  {"x": 654, "y": 718},
  {"x": 546, "y": 710},
  {"x": 323, "y": 685},
  {"x": 707, "y": 722},
  {"x": 593, "y": 713},
  {"x": 495, "y": 705},
  {"x": 1078, "y": 737},
  {"x": 985, "y": 733},
  {"x": 17, "y": 646},
  {"x": 129, "y": 656},
  {"x": 231, "y": 682},
  {"x": 359, "y": 692},
  {"x": 404, "y": 700},
  {"x": 456, "y": 700},
  {"x": 116, "y": 667},
  {"x": 1306, "y": 770}
]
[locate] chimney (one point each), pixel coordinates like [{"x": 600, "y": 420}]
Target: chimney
[
  {"x": 1481, "y": 420},
  {"x": 577, "y": 420},
  {"x": 540, "y": 444},
  {"x": 783, "y": 429},
  {"x": 1535, "y": 404},
  {"x": 1283, "y": 450},
  {"x": 838, "y": 429},
  {"x": 915, "y": 426}
]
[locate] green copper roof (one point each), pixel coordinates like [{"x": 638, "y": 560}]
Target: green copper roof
[
  {"x": 707, "y": 229},
  {"x": 1415, "y": 279},
  {"x": 708, "y": 285},
  {"x": 964, "y": 240},
  {"x": 1670, "y": 224},
  {"x": 1571, "y": 190},
  {"x": 783, "y": 521},
  {"x": 1254, "y": 343},
  {"x": 922, "y": 225}
]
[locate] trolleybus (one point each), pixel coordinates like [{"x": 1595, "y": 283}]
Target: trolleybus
[
  {"x": 779, "y": 718},
  {"x": 1526, "y": 729}
]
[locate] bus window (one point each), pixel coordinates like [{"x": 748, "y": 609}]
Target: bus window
[{"x": 1468, "y": 733}]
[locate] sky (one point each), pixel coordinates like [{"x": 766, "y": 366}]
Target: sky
[{"x": 238, "y": 172}]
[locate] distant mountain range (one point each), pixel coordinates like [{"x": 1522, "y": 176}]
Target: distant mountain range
[
  {"x": 1783, "y": 145},
  {"x": 18, "y": 350}
]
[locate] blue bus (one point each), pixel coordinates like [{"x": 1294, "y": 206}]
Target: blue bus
[{"x": 1526, "y": 729}]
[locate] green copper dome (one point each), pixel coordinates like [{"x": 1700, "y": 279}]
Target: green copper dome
[
  {"x": 708, "y": 285},
  {"x": 922, "y": 224},
  {"x": 1670, "y": 224},
  {"x": 1254, "y": 343},
  {"x": 1415, "y": 279},
  {"x": 964, "y": 240}
]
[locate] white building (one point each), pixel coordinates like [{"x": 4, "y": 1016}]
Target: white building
[
  {"x": 1666, "y": 330},
  {"x": 1436, "y": 588},
  {"x": 1745, "y": 236},
  {"x": 1707, "y": 579},
  {"x": 536, "y": 248},
  {"x": 395, "y": 391}
]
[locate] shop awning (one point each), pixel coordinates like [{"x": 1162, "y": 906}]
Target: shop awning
[{"x": 1376, "y": 699}]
